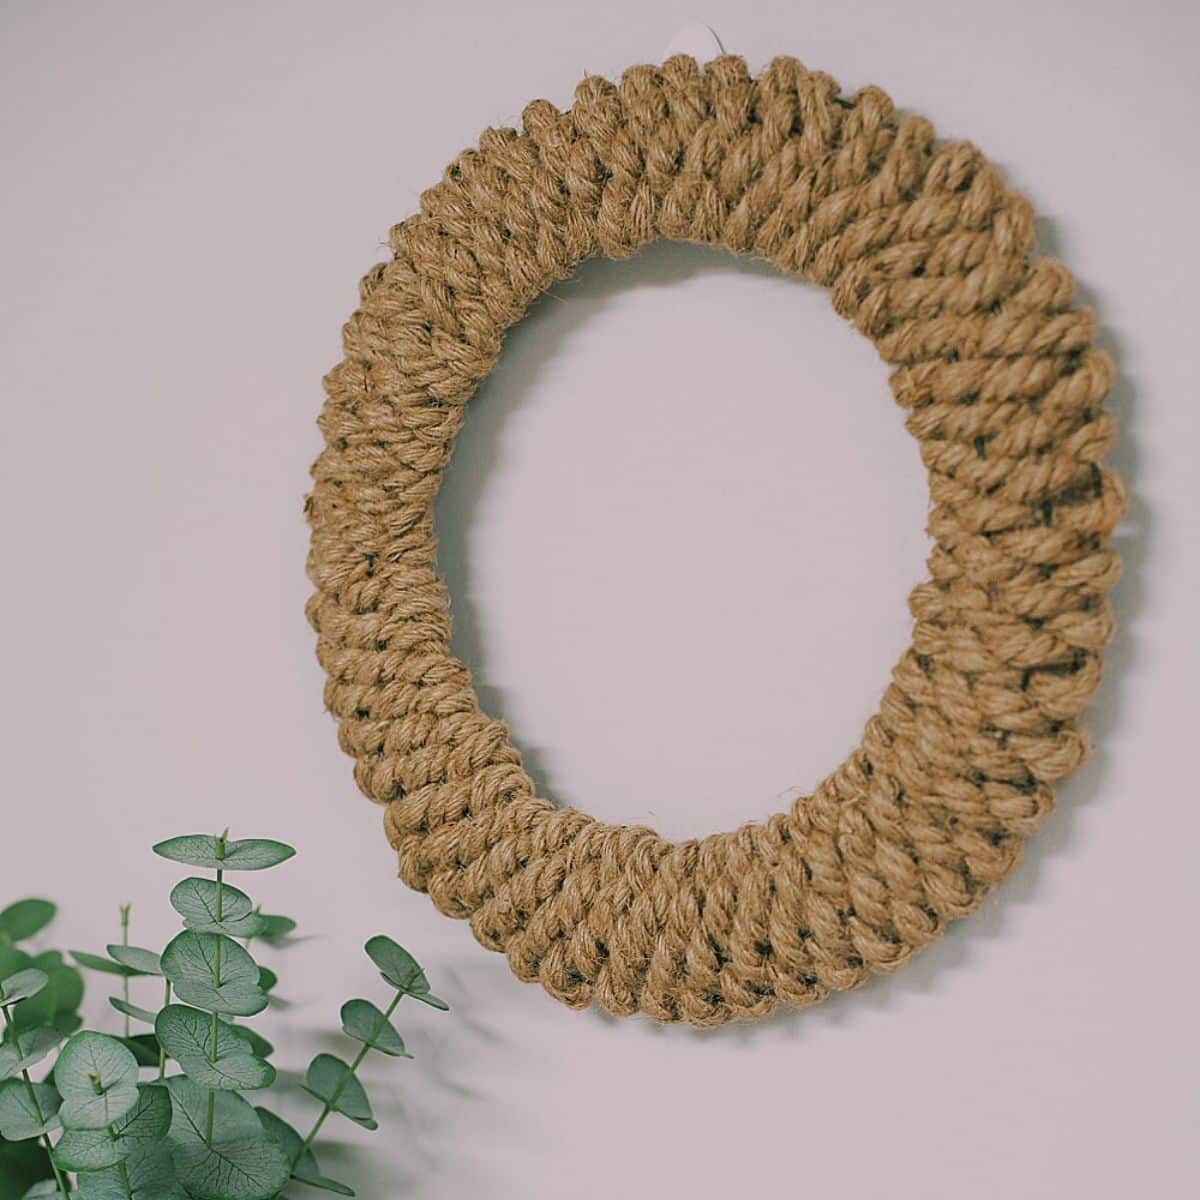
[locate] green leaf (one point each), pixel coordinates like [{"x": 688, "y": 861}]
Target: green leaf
[
  {"x": 43, "y": 1188},
  {"x": 144, "y": 1047},
  {"x": 149, "y": 1170},
  {"x": 22, "y": 1165},
  {"x": 290, "y": 1142},
  {"x": 195, "y": 900},
  {"x": 96, "y": 962},
  {"x": 55, "y": 1004},
  {"x": 365, "y": 1023},
  {"x": 244, "y": 1161},
  {"x": 186, "y": 1035},
  {"x": 27, "y": 1051},
  {"x": 189, "y": 961},
  {"x": 330, "y": 1081},
  {"x": 96, "y": 1149},
  {"x": 24, "y": 918},
  {"x": 259, "y": 1046},
  {"x": 139, "y": 960},
  {"x": 267, "y": 978},
  {"x": 401, "y": 970},
  {"x": 20, "y": 1117},
  {"x": 132, "y": 1010},
  {"x": 97, "y": 1077},
  {"x": 216, "y": 854},
  {"x": 22, "y": 985},
  {"x": 274, "y": 928}
]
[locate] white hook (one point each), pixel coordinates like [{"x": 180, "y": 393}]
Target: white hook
[{"x": 697, "y": 40}]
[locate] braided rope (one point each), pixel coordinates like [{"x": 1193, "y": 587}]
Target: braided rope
[{"x": 924, "y": 249}]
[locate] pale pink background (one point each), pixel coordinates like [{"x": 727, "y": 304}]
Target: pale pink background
[{"x": 679, "y": 532}]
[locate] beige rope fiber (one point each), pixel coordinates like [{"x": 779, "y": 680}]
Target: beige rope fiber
[{"x": 927, "y": 252}]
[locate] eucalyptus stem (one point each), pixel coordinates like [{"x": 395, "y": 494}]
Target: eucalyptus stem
[
  {"x": 122, "y": 1170},
  {"x": 125, "y": 978},
  {"x": 328, "y": 1106},
  {"x": 33, "y": 1100},
  {"x": 162, "y": 1053}
]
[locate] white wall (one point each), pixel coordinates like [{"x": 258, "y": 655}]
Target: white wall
[{"x": 188, "y": 196}]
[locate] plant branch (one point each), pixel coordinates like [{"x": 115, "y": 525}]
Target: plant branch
[
  {"x": 328, "y": 1105},
  {"x": 33, "y": 1100}
]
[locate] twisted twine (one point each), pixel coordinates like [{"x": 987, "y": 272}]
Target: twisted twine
[{"x": 925, "y": 250}]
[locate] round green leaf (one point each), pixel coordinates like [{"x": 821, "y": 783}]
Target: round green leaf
[
  {"x": 149, "y": 1170},
  {"x": 267, "y": 978},
  {"x": 330, "y": 1081},
  {"x": 27, "y": 1050},
  {"x": 305, "y": 1168},
  {"x": 24, "y": 918},
  {"x": 243, "y": 1163},
  {"x": 213, "y": 854},
  {"x": 24, "y": 1116},
  {"x": 401, "y": 970},
  {"x": 365, "y": 1023},
  {"x": 22, "y": 985},
  {"x": 190, "y": 961},
  {"x": 97, "y": 962},
  {"x": 195, "y": 900},
  {"x": 97, "y": 1077},
  {"x": 186, "y": 1035},
  {"x": 96, "y": 1149},
  {"x": 132, "y": 1010},
  {"x": 139, "y": 960}
]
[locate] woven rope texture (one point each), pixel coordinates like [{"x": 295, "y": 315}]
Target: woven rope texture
[{"x": 928, "y": 254}]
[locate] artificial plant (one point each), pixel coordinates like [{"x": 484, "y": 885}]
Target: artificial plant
[{"x": 162, "y": 1115}]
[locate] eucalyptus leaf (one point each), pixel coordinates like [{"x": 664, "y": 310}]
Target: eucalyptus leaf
[
  {"x": 274, "y": 928},
  {"x": 41, "y": 1189},
  {"x": 97, "y": 1077},
  {"x": 56, "y": 1003},
  {"x": 216, "y": 854},
  {"x": 97, "y": 962},
  {"x": 22, "y": 985},
  {"x": 132, "y": 1010},
  {"x": 189, "y": 962},
  {"x": 22, "y": 1165},
  {"x": 365, "y": 1023},
  {"x": 13, "y": 959},
  {"x": 23, "y": 1115},
  {"x": 195, "y": 900},
  {"x": 259, "y": 1046},
  {"x": 305, "y": 1168},
  {"x": 150, "y": 1173},
  {"x": 186, "y": 1035},
  {"x": 138, "y": 959},
  {"x": 331, "y": 1081},
  {"x": 244, "y": 1162},
  {"x": 25, "y": 918},
  {"x": 401, "y": 970},
  {"x": 267, "y": 978},
  {"x": 28, "y": 1049},
  {"x": 96, "y": 1149},
  {"x": 144, "y": 1047},
  {"x": 46, "y": 960}
]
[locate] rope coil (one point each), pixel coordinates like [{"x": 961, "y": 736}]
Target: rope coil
[{"x": 929, "y": 255}]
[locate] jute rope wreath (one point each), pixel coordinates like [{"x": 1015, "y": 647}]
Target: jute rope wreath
[{"x": 927, "y": 252}]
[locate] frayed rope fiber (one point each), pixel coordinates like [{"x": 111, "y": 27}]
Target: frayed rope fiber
[{"x": 927, "y": 252}]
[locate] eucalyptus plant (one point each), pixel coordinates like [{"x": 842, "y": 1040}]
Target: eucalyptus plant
[{"x": 163, "y": 1115}]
